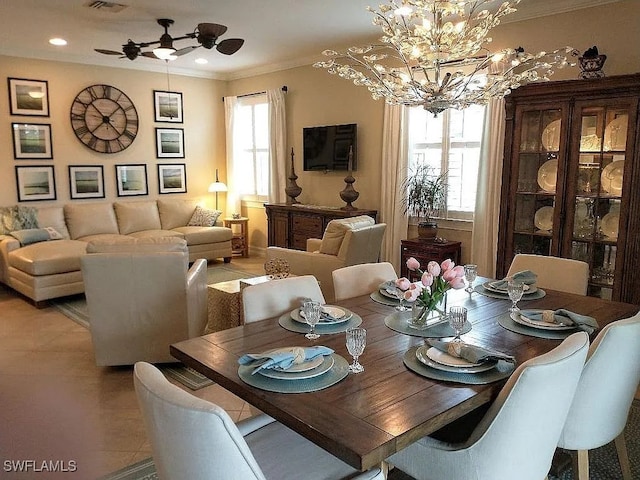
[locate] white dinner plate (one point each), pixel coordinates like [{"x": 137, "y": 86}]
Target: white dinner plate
[
  {"x": 551, "y": 136},
  {"x": 528, "y": 289},
  {"x": 543, "y": 218},
  {"x": 325, "y": 365},
  {"x": 302, "y": 367},
  {"x": 547, "y": 175},
  {"x": 609, "y": 225},
  {"x": 523, "y": 320},
  {"x": 615, "y": 134},
  {"x": 611, "y": 177},
  {"x": 298, "y": 315},
  {"x": 425, "y": 354},
  {"x": 589, "y": 143}
]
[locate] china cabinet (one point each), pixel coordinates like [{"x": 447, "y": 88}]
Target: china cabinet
[{"x": 571, "y": 179}]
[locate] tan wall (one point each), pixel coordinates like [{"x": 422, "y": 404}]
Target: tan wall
[{"x": 203, "y": 126}]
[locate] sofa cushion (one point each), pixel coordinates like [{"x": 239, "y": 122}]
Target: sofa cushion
[
  {"x": 336, "y": 229},
  {"x": 90, "y": 219},
  {"x": 137, "y": 216},
  {"x": 156, "y": 234},
  {"x": 138, "y": 245},
  {"x": 203, "y": 217},
  {"x": 35, "y": 235},
  {"x": 201, "y": 235},
  {"x": 175, "y": 213},
  {"x": 48, "y": 258},
  {"x": 18, "y": 217},
  {"x": 53, "y": 217}
]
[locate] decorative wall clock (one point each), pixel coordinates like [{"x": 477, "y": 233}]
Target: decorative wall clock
[{"x": 104, "y": 119}]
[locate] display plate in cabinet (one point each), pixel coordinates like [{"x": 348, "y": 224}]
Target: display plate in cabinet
[
  {"x": 611, "y": 177},
  {"x": 615, "y": 134},
  {"x": 547, "y": 175},
  {"x": 551, "y": 136}
]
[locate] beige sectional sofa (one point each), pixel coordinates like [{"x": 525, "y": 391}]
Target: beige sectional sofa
[{"x": 51, "y": 269}]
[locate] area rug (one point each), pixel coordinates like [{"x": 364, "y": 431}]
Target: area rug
[
  {"x": 603, "y": 461},
  {"x": 75, "y": 308}
]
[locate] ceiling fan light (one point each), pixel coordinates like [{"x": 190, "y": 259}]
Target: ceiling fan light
[{"x": 164, "y": 53}]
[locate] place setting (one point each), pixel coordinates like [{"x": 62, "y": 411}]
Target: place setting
[
  {"x": 509, "y": 287},
  {"x": 314, "y": 319},
  {"x": 388, "y": 293},
  {"x": 549, "y": 324}
]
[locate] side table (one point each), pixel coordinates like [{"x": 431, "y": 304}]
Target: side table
[
  {"x": 240, "y": 240},
  {"x": 426, "y": 250}
]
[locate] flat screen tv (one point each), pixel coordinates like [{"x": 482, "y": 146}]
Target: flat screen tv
[{"x": 327, "y": 148}]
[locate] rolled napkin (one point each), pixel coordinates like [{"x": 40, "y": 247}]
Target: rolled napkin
[
  {"x": 283, "y": 357},
  {"x": 562, "y": 316},
  {"x": 470, "y": 353},
  {"x": 525, "y": 276}
]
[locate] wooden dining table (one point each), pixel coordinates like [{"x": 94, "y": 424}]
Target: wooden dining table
[{"x": 369, "y": 416}]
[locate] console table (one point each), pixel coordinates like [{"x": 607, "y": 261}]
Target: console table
[
  {"x": 426, "y": 250},
  {"x": 289, "y": 226}
]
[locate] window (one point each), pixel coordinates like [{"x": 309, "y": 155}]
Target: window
[
  {"x": 251, "y": 147},
  {"x": 450, "y": 142}
]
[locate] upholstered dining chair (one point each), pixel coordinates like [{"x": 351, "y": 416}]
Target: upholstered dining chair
[
  {"x": 362, "y": 279},
  {"x": 607, "y": 387},
  {"x": 142, "y": 297},
  {"x": 268, "y": 299},
  {"x": 192, "y": 438},
  {"x": 517, "y": 437},
  {"x": 562, "y": 274}
]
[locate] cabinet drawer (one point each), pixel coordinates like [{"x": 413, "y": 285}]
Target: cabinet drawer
[
  {"x": 311, "y": 224},
  {"x": 299, "y": 241}
]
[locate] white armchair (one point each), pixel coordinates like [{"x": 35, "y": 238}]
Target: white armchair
[
  {"x": 562, "y": 274},
  {"x": 141, "y": 298},
  {"x": 347, "y": 241}
]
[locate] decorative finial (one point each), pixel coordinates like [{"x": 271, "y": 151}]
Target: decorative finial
[
  {"x": 292, "y": 190},
  {"x": 349, "y": 194}
]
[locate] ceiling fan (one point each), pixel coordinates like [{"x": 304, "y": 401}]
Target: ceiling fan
[{"x": 206, "y": 34}]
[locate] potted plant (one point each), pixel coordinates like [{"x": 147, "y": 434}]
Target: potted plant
[{"x": 425, "y": 196}]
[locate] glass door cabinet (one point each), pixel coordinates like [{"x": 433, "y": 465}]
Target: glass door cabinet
[{"x": 571, "y": 181}]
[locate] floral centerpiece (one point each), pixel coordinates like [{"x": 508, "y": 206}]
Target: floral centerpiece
[{"x": 429, "y": 293}]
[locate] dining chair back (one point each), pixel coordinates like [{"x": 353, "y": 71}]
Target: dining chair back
[
  {"x": 268, "y": 299},
  {"x": 194, "y": 438},
  {"x": 517, "y": 436},
  {"x": 362, "y": 279},
  {"x": 562, "y": 274},
  {"x": 604, "y": 395}
]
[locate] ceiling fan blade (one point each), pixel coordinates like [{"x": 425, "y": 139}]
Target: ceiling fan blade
[
  {"x": 149, "y": 55},
  {"x": 107, "y": 52},
  {"x": 230, "y": 45},
  {"x": 211, "y": 29},
  {"x": 185, "y": 50}
]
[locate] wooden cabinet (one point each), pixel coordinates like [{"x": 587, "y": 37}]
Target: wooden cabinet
[
  {"x": 571, "y": 180},
  {"x": 424, "y": 251},
  {"x": 289, "y": 226}
]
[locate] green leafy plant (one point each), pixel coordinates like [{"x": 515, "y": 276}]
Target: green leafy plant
[{"x": 425, "y": 193}]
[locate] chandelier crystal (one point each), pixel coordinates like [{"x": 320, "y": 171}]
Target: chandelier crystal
[{"x": 433, "y": 53}]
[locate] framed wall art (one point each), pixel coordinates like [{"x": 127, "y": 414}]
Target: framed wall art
[
  {"x": 131, "y": 180},
  {"x": 35, "y": 183},
  {"x": 172, "y": 178},
  {"x": 28, "y": 97},
  {"x": 167, "y": 106},
  {"x": 170, "y": 142},
  {"x": 31, "y": 140},
  {"x": 86, "y": 181}
]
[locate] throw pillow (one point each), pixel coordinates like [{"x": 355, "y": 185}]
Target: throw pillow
[
  {"x": 35, "y": 235},
  {"x": 203, "y": 217},
  {"x": 17, "y": 218}
]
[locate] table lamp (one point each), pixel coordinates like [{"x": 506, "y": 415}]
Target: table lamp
[{"x": 217, "y": 186}]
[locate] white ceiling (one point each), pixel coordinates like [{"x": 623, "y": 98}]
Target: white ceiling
[{"x": 278, "y": 33}]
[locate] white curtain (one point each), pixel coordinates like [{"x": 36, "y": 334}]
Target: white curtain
[
  {"x": 484, "y": 239},
  {"x": 277, "y": 146},
  {"x": 233, "y": 198},
  {"x": 395, "y": 163}
]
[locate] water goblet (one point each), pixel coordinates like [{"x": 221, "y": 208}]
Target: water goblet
[
  {"x": 515, "y": 290},
  {"x": 399, "y": 293},
  {"x": 356, "y": 341},
  {"x": 470, "y": 274},
  {"x": 457, "y": 318},
  {"x": 312, "y": 311}
]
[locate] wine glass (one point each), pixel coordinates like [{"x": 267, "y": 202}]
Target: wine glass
[
  {"x": 356, "y": 341},
  {"x": 470, "y": 274},
  {"x": 515, "y": 290},
  {"x": 457, "y": 318},
  {"x": 399, "y": 293},
  {"x": 312, "y": 311}
]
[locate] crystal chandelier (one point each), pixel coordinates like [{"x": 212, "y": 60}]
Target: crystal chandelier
[{"x": 433, "y": 53}]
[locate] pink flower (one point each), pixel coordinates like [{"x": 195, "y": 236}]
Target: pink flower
[
  {"x": 433, "y": 268},
  {"x": 427, "y": 279},
  {"x": 403, "y": 283},
  {"x": 447, "y": 265},
  {"x": 457, "y": 283},
  {"x": 413, "y": 264},
  {"x": 413, "y": 293},
  {"x": 449, "y": 275},
  {"x": 459, "y": 269}
]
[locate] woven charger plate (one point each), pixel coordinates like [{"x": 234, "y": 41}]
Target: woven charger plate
[
  {"x": 539, "y": 293},
  {"x": 501, "y": 371},
  {"x": 379, "y": 298},
  {"x": 290, "y": 324},
  {"x": 397, "y": 321},
  {"x": 337, "y": 372},
  {"x": 507, "y": 322}
]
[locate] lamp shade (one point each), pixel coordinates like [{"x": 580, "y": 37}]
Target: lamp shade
[{"x": 217, "y": 187}]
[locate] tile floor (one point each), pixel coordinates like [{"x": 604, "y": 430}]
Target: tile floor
[{"x": 56, "y": 405}]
